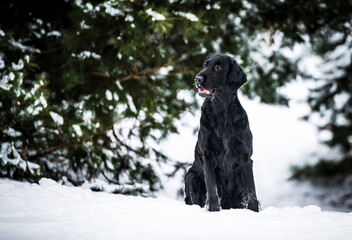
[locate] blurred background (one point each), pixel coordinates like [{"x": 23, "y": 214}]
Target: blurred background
[{"x": 100, "y": 94}]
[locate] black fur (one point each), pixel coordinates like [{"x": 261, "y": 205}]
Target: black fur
[{"x": 221, "y": 175}]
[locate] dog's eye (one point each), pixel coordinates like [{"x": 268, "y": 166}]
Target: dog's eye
[{"x": 218, "y": 68}]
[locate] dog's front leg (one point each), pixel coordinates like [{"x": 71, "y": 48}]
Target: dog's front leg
[
  {"x": 213, "y": 200},
  {"x": 206, "y": 148}
]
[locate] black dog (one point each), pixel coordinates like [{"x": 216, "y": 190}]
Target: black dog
[{"x": 222, "y": 174}]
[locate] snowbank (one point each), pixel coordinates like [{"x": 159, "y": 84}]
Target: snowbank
[{"x": 53, "y": 211}]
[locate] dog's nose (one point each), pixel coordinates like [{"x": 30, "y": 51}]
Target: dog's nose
[{"x": 199, "y": 79}]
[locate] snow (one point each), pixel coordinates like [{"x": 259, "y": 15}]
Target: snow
[
  {"x": 4, "y": 83},
  {"x": 57, "y": 118},
  {"x": 12, "y": 132},
  {"x": 11, "y": 76},
  {"x": 52, "y": 211},
  {"x": 341, "y": 100},
  {"x": 155, "y": 15},
  {"x": 23, "y": 48},
  {"x": 189, "y": 16},
  {"x": 15, "y": 159},
  {"x": 18, "y": 66},
  {"x": 86, "y": 54},
  {"x": 42, "y": 101},
  {"x": 111, "y": 10},
  {"x": 77, "y": 129},
  {"x": 165, "y": 70},
  {"x": 54, "y": 34},
  {"x": 2, "y": 63},
  {"x": 129, "y": 18},
  {"x": 108, "y": 95},
  {"x": 130, "y": 103}
]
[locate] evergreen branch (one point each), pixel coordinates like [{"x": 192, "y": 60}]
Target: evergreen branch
[
  {"x": 108, "y": 179},
  {"x": 101, "y": 74},
  {"x": 119, "y": 141},
  {"x": 142, "y": 73},
  {"x": 17, "y": 109},
  {"x": 25, "y": 156},
  {"x": 179, "y": 73},
  {"x": 148, "y": 71},
  {"x": 41, "y": 153},
  {"x": 111, "y": 126}
]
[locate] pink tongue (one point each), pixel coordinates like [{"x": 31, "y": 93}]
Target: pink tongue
[{"x": 202, "y": 90}]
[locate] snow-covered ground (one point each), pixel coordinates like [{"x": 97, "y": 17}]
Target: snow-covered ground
[{"x": 52, "y": 211}]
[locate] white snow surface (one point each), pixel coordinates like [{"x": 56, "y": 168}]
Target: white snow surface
[{"x": 53, "y": 211}]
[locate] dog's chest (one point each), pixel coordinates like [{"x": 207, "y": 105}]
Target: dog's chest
[
  {"x": 225, "y": 127},
  {"x": 223, "y": 123}
]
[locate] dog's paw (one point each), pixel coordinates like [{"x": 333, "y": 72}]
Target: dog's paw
[{"x": 214, "y": 206}]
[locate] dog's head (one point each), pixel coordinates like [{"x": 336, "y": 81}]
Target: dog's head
[{"x": 219, "y": 72}]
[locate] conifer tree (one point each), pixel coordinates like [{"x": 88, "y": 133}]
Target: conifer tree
[{"x": 89, "y": 88}]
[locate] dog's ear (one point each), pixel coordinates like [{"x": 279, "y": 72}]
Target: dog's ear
[{"x": 236, "y": 76}]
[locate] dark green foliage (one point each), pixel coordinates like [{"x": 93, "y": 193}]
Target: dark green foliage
[
  {"x": 324, "y": 169},
  {"x": 81, "y": 92}
]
